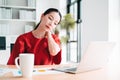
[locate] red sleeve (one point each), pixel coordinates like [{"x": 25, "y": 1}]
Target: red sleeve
[
  {"x": 57, "y": 58},
  {"x": 18, "y": 48}
]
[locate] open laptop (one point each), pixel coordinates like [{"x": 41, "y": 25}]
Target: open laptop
[{"x": 95, "y": 57}]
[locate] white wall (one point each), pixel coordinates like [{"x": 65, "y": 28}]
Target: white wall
[
  {"x": 114, "y": 30},
  {"x": 42, "y": 5},
  {"x": 101, "y": 21},
  {"x": 94, "y": 14}
]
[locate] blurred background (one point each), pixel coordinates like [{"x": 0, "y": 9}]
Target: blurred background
[{"x": 89, "y": 20}]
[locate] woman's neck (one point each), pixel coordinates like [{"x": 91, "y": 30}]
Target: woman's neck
[{"x": 38, "y": 33}]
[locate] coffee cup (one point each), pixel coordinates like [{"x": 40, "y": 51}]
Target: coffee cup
[{"x": 26, "y": 64}]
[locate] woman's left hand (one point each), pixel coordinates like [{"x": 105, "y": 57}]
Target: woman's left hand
[{"x": 48, "y": 34}]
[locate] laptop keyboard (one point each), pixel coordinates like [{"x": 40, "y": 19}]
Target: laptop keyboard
[{"x": 71, "y": 69}]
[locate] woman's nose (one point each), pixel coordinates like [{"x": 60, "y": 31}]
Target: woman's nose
[{"x": 51, "y": 23}]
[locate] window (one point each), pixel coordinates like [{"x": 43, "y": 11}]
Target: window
[{"x": 74, "y": 43}]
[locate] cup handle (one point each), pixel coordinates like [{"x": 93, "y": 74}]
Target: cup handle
[{"x": 16, "y": 63}]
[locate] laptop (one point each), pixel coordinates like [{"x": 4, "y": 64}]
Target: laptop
[{"x": 95, "y": 57}]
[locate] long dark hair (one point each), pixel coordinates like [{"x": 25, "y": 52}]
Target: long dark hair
[{"x": 49, "y": 11}]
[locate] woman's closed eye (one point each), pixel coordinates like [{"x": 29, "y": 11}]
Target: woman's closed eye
[{"x": 50, "y": 18}]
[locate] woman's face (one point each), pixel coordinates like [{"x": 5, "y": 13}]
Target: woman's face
[{"x": 50, "y": 21}]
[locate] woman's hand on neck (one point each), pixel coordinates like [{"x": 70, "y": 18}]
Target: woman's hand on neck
[{"x": 48, "y": 34}]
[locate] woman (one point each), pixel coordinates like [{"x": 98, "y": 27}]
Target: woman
[{"x": 41, "y": 42}]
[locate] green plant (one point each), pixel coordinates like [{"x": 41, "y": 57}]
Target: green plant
[
  {"x": 64, "y": 39},
  {"x": 67, "y": 23}
]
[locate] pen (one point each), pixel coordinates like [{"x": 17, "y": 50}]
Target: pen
[{"x": 40, "y": 70}]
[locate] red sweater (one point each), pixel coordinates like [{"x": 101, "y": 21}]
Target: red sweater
[{"x": 27, "y": 43}]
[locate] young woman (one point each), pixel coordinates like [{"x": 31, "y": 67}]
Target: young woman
[{"x": 41, "y": 42}]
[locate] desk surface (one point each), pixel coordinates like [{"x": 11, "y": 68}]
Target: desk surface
[{"x": 107, "y": 73}]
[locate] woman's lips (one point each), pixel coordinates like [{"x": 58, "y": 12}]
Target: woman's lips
[{"x": 47, "y": 26}]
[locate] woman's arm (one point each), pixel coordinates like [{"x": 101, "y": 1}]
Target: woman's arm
[{"x": 53, "y": 47}]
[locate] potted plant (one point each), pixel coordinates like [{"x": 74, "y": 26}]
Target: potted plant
[{"x": 67, "y": 23}]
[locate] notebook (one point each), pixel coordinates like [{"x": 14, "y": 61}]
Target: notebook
[{"x": 95, "y": 57}]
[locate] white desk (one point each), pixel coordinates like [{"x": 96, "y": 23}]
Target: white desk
[{"x": 107, "y": 73}]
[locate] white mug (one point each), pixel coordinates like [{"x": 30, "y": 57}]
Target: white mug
[{"x": 26, "y": 61}]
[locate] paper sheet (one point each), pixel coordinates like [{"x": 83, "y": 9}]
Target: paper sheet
[
  {"x": 36, "y": 71},
  {"x": 4, "y": 70}
]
